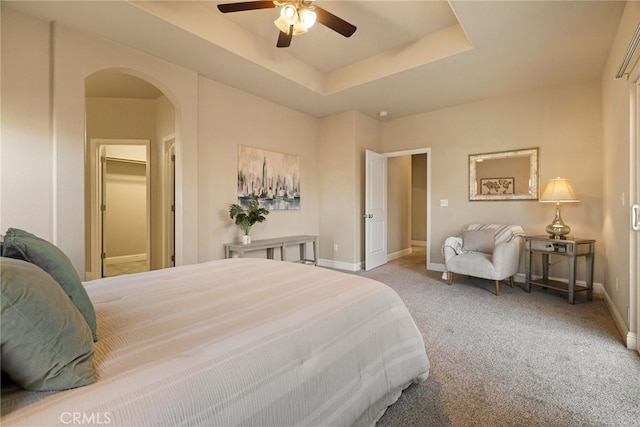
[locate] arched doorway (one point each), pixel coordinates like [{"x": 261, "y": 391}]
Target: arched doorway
[{"x": 123, "y": 112}]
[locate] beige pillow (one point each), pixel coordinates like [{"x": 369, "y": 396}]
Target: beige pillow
[{"x": 478, "y": 241}]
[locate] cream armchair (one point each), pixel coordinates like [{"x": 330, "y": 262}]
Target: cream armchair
[{"x": 487, "y": 251}]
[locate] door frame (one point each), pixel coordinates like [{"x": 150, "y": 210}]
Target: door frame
[
  {"x": 427, "y": 151},
  {"x": 634, "y": 199},
  {"x": 169, "y": 201},
  {"x": 633, "y": 338},
  {"x": 95, "y": 244},
  {"x": 428, "y": 264}
]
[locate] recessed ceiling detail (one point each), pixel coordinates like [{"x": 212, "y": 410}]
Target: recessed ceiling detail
[
  {"x": 406, "y": 57},
  {"x": 427, "y": 43}
]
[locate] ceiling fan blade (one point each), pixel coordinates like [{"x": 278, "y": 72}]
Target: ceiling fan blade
[
  {"x": 245, "y": 5},
  {"x": 330, "y": 20},
  {"x": 284, "y": 39}
]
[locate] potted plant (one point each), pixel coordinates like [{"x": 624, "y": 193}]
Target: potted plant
[{"x": 246, "y": 218}]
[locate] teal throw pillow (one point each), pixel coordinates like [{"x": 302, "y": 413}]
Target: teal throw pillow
[
  {"x": 20, "y": 244},
  {"x": 46, "y": 343}
]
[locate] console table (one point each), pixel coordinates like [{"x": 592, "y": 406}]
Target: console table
[
  {"x": 569, "y": 248},
  {"x": 276, "y": 243}
]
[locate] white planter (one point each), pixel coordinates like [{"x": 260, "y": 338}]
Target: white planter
[{"x": 246, "y": 239}]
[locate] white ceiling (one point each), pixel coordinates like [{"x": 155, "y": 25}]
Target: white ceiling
[{"x": 406, "y": 57}]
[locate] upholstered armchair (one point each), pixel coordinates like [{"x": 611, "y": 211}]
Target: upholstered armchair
[{"x": 487, "y": 251}]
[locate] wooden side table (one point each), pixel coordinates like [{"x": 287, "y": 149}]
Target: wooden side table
[
  {"x": 569, "y": 248},
  {"x": 280, "y": 243}
]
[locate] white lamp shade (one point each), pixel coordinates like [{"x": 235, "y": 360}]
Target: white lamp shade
[{"x": 558, "y": 190}]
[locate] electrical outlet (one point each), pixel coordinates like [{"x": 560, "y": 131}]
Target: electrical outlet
[
  {"x": 335, "y": 247},
  {"x": 616, "y": 284}
]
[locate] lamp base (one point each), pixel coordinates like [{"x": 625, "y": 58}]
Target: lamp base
[
  {"x": 558, "y": 233},
  {"x": 558, "y": 229}
]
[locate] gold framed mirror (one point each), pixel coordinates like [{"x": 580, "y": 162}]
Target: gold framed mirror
[{"x": 504, "y": 175}]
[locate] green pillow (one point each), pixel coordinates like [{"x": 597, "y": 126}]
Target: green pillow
[
  {"x": 20, "y": 244},
  {"x": 46, "y": 343}
]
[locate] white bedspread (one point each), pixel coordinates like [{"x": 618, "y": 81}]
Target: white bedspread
[{"x": 237, "y": 342}]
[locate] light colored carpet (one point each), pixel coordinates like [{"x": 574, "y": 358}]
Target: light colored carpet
[
  {"x": 519, "y": 359},
  {"x": 118, "y": 269}
]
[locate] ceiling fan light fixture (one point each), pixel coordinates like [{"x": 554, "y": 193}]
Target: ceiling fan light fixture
[
  {"x": 301, "y": 19},
  {"x": 289, "y": 14},
  {"x": 284, "y": 26},
  {"x": 307, "y": 18},
  {"x": 296, "y": 17}
]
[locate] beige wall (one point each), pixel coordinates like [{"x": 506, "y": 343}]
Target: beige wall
[
  {"x": 616, "y": 177},
  {"x": 337, "y": 189},
  {"x": 228, "y": 118},
  {"x": 565, "y": 122},
  {"x": 398, "y": 204},
  {"x": 26, "y": 139}
]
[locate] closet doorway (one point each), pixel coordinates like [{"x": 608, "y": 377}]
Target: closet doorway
[{"x": 123, "y": 212}]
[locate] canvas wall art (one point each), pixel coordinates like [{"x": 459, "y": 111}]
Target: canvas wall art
[{"x": 272, "y": 177}]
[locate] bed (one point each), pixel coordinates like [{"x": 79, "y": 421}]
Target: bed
[{"x": 237, "y": 342}]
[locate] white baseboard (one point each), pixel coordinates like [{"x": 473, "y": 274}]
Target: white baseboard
[
  {"x": 632, "y": 341},
  {"x": 436, "y": 266},
  {"x": 125, "y": 258},
  {"x": 598, "y": 288},
  {"x": 419, "y": 243},
  {"x": 339, "y": 265},
  {"x": 399, "y": 254},
  {"x": 630, "y": 338}
]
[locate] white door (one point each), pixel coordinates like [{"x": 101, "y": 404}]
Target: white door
[{"x": 375, "y": 216}]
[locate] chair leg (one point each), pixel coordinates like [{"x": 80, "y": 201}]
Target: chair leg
[
  {"x": 511, "y": 281},
  {"x": 450, "y": 278},
  {"x": 497, "y": 287}
]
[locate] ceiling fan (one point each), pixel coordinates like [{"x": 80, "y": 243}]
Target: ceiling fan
[{"x": 296, "y": 17}]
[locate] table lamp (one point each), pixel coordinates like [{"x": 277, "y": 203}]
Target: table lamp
[{"x": 558, "y": 191}]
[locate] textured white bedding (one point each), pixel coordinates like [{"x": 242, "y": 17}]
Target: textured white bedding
[{"x": 237, "y": 342}]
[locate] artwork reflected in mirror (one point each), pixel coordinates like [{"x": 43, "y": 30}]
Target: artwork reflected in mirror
[{"x": 505, "y": 175}]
